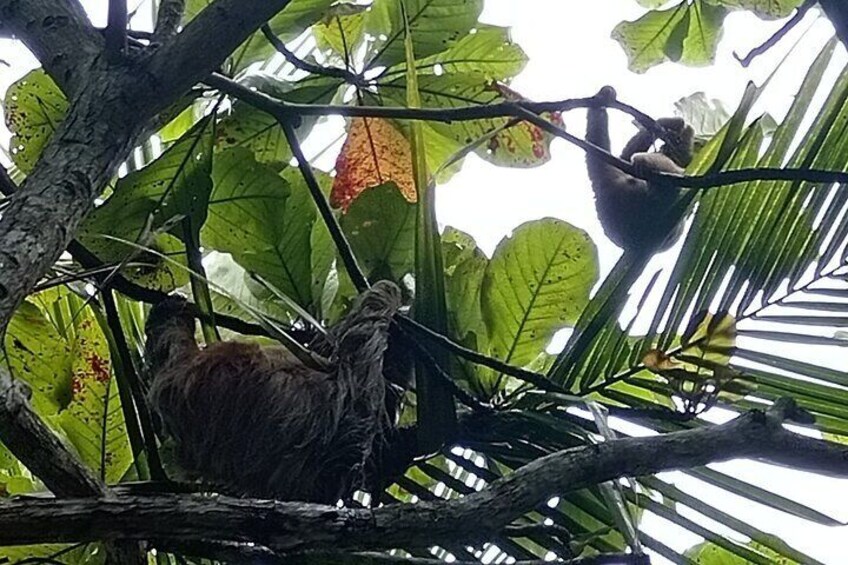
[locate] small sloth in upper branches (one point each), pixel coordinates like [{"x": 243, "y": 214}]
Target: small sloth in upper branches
[
  {"x": 254, "y": 420},
  {"x": 633, "y": 212}
]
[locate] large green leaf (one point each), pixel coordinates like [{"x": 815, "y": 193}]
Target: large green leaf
[
  {"x": 686, "y": 33},
  {"x": 34, "y": 108},
  {"x": 93, "y": 420},
  {"x": 435, "y": 25},
  {"x": 537, "y": 282},
  {"x": 247, "y": 126},
  {"x": 177, "y": 183},
  {"x": 489, "y": 51},
  {"x": 38, "y": 355},
  {"x": 380, "y": 225},
  {"x": 264, "y": 220}
]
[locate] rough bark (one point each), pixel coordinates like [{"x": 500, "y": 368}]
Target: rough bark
[
  {"x": 111, "y": 103},
  {"x": 298, "y": 527},
  {"x": 38, "y": 448}
]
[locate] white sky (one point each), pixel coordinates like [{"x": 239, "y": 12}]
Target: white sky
[{"x": 572, "y": 55}]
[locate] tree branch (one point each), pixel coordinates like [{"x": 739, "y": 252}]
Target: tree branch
[
  {"x": 116, "y": 29},
  {"x": 291, "y": 527},
  {"x": 208, "y": 40},
  {"x": 168, "y": 19},
  {"x": 529, "y": 111},
  {"x": 38, "y": 448},
  {"x": 299, "y": 63},
  {"x": 59, "y": 35}
]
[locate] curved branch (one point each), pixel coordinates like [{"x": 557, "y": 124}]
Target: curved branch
[{"x": 292, "y": 527}]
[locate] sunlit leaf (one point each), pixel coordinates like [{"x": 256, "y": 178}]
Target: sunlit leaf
[
  {"x": 34, "y": 108},
  {"x": 374, "y": 153}
]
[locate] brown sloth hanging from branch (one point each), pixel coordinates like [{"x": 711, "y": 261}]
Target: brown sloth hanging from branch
[{"x": 254, "y": 420}]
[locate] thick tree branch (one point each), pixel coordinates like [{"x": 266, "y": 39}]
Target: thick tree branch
[
  {"x": 291, "y": 527},
  {"x": 208, "y": 40},
  {"x": 168, "y": 19},
  {"x": 59, "y": 35},
  {"x": 38, "y": 448},
  {"x": 109, "y": 109}
]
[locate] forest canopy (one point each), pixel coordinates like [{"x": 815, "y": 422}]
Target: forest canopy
[{"x": 174, "y": 154}]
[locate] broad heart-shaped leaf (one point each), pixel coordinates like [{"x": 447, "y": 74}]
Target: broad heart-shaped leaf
[
  {"x": 435, "y": 25},
  {"x": 246, "y": 126},
  {"x": 766, "y": 9},
  {"x": 34, "y": 108},
  {"x": 93, "y": 421},
  {"x": 380, "y": 225},
  {"x": 175, "y": 183},
  {"x": 38, "y": 355},
  {"x": 264, "y": 220},
  {"x": 293, "y": 20},
  {"x": 375, "y": 152},
  {"x": 537, "y": 282},
  {"x": 687, "y": 33}
]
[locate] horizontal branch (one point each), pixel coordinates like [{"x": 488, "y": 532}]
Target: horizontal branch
[
  {"x": 528, "y": 111},
  {"x": 292, "y": 527}
]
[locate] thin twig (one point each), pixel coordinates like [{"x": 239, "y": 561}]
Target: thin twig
[
  {"x": 778, "y": 35},
  {"x": 459, "y": 393},
  {"x": 439, "y": 340},
  {"x": 298, "y": 63},
  {"x": 133, "y": 382},
  {"x": 342, "y": 244}
]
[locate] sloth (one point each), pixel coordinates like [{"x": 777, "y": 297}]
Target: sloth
[
  {"x": 633, "y": 212},
  {"x": 255, "y": 421}
]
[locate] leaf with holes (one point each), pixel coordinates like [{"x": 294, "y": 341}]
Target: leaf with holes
[
  {"x": 537, "y": 282},
  {"x": 34, "y": 108}
]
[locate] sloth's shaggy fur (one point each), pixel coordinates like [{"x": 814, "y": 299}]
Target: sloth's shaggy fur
[{"x": 254, "y": 420}]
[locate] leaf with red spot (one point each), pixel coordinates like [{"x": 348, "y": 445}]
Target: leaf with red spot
[
  {"x": 374, "y": 153},
  {"x": 93, "y": 421}
]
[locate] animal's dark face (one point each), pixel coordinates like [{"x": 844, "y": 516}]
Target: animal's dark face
[
  {"x": 173, "y": 310},
  {"x": 681, "y": 140}
]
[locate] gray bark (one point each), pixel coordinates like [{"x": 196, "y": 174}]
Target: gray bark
[{"x": 291, "y": 527}]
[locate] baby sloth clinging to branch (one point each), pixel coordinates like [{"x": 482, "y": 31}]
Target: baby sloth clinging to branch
[
  {"x": 633, "y": 211},
  {"x": 254, "y": 420}
]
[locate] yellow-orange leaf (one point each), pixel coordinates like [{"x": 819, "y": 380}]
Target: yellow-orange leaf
[{"x": 375, "y": 152}]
